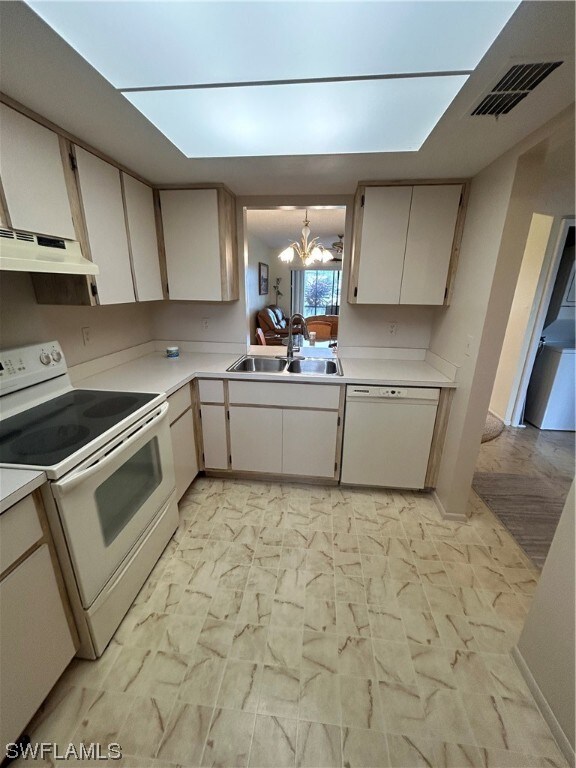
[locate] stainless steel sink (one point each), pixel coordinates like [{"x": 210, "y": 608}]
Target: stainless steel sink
[
  {"x": 315, "y": 366},
  {"x": 308, "y": 366},
  {"x": 250, "y": 364}
]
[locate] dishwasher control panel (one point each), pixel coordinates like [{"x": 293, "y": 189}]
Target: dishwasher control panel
[{"x": 359, "y": 391}]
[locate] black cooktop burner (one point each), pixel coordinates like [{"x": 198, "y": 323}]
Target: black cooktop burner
[{"x": 49, "y": 433}]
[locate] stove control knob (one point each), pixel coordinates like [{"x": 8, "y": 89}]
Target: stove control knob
[
  {"x": 45, "y": 358},
  {"x": 56, "y": 356}
]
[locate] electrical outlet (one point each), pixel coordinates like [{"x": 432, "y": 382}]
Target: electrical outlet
[
  {"x": 204, "y": 323},
  {"x": 469, "y": 342},
  {"x": 86, "y": 335},
  {"x": 393, "y": 328}
]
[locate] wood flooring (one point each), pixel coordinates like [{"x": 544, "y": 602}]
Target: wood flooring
[{"x": 524, "y": 476}]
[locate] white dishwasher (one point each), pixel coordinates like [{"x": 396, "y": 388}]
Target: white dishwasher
[{"x": 387, "y": 435}]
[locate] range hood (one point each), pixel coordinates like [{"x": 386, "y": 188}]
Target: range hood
[{"x": 26, "y": 252}]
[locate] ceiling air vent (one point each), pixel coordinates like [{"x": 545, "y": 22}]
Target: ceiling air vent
[{"x": 516, "y": 84}]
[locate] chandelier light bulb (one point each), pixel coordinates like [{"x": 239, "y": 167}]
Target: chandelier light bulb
[{"x": 287, "y": 255}]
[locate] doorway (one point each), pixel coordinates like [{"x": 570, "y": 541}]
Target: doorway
[
  {"x": 525, "y": 469},
  {"x": 312, "y": 289}
]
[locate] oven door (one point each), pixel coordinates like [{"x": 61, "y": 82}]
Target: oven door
[{"x": 109, "y": 500}]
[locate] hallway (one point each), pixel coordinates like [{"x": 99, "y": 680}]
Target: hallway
[{"x": 524, "y": 476}]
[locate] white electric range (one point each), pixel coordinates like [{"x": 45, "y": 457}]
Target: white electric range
[{"x": 110, "y": 498}]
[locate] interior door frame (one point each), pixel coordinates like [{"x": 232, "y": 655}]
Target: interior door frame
[{"x": 550, "y": 266}]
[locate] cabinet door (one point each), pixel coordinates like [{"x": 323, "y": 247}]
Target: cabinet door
[
  {"x": 433, "y": 216},
  {"x": 33, "y": 176},
  {"x": 214, "y": 436},
  {"x": 143, "y": 240},
  {"x": 309, "y": 443},
  {"x": 192, "y": 243},
  {"x": 101, "y": 194},
  {"x": 383, "y": 243},
  {"x": 184, "y": 450},
  {"x": 35, "y": 645},
  {"x": 256, "y": 439}
]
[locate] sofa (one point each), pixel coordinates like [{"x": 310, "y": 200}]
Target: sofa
[{"x": 274, "y": 322}]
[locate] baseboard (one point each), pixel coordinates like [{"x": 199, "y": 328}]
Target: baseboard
[
  {"x": 447, "y": 515},
  {"x": 545, "y": 709}
]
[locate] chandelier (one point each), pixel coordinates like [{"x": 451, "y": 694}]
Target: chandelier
[{"x": 308, "y": 251}]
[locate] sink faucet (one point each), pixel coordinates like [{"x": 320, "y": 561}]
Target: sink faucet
[{"x": 291, "y": 347}]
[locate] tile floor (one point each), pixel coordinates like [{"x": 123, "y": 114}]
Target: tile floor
[{"x": 315, "y": 627}]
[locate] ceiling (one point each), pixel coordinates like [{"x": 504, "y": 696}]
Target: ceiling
[
  {"x": 41, "y": 71},
  {"x": 277, "y": 227}
]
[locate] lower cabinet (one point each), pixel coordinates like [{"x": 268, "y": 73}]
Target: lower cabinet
[
  {"x": 256, "y": 439},
  {"x": 309, "y": 440},
  {"x": 184, "y": 450},
  {"x": 215, "y": 447},
  {"x": 183, "y": 438},
  {"x": 36, "y": 640},
  {"x": 278, "y": 429}
]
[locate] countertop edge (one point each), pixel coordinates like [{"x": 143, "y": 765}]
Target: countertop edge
[{"x": 18, "y": 492}]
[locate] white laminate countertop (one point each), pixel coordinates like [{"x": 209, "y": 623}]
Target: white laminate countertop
[
  {"x": 17, "y": 483},
  {"x": 157, "y": 373}
]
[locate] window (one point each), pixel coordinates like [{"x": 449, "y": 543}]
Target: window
[{"x": 316, "y": 291}]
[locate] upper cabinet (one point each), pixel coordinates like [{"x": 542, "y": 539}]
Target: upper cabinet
[
  {"x": 142, "y": 239},
  {"x": 101, "y": 195},
  {"x": 200, "y": 244},
  {"x": 406, "y": 241},
  {"x": 32, "y": 174}
]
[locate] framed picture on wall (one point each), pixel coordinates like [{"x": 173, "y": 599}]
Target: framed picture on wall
[{"x": 262, "y": 278}]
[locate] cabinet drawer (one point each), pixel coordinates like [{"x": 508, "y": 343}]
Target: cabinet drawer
[
  {"x": 288, "y": 395},
  {"x": 19, "y": 529},
  {"x": 179, "y": 401},
  {"x": 211, "y": 390}
]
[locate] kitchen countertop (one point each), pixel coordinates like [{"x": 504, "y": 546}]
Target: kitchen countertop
[
  {"x": 15, "y": 484},
  {"x": 157, "y": 373}
]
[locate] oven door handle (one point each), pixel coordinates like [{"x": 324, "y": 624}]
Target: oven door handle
[{"x": 71, "y": 482}]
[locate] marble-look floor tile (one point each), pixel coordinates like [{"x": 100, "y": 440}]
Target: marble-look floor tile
[
  {"x": 181, "y": 634},
  {"x": 352, "y": 619},
  {"x": 319, "y": 697},
  {"x": 432, "y": 668},
  {"x": 360, "y": 703},
  {"x": 240, "y": 688},
  {"x": 261, "y": 580},
  {"x": 445, "y": 716},
  {"x": 318, "y": 745},
  {"x": 364, "y": 749},
  {"x": 256, "y": 608},
  {"x": 287, "y": 613},
  {"x": 355, "y": 656},
  {"x": 279, "y": 691},
  {"x": 273, "y": 743},
  {"x": 410, "y": 751},
  {"x": 386, "y": 623},
  {"x": 103, "y": 719},
  {"x": 403, "y": 710},
  {"x": 490, "y": 723},
  {"x": 202, "y": 680},
  {"x": 215, "y": 638},
  {"x": 320, "y": 652},
  {"x": 393, "y": 661},
  {"x": 420, "y": 627},
  {"x": 145, "y": 726},
  {"x": 229, "y": 739},
  {"x": 319, "y": 615},
  {"x": 283, "y": 647},
  {"x": 249, "y": 642}
]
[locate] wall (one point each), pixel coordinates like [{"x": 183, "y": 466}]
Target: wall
[
  {"x": 548, "y": 640},
  {"x": 530, "y": 177},
  {"x": 257, "y": 252},
  {"x": 113, "y": 328},
  {"x": 514, "y": 347}
]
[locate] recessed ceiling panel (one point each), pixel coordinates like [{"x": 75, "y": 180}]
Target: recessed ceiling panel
[
  {"x": 166, "y": 43},
  {"x": 305, "y": 119}
]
